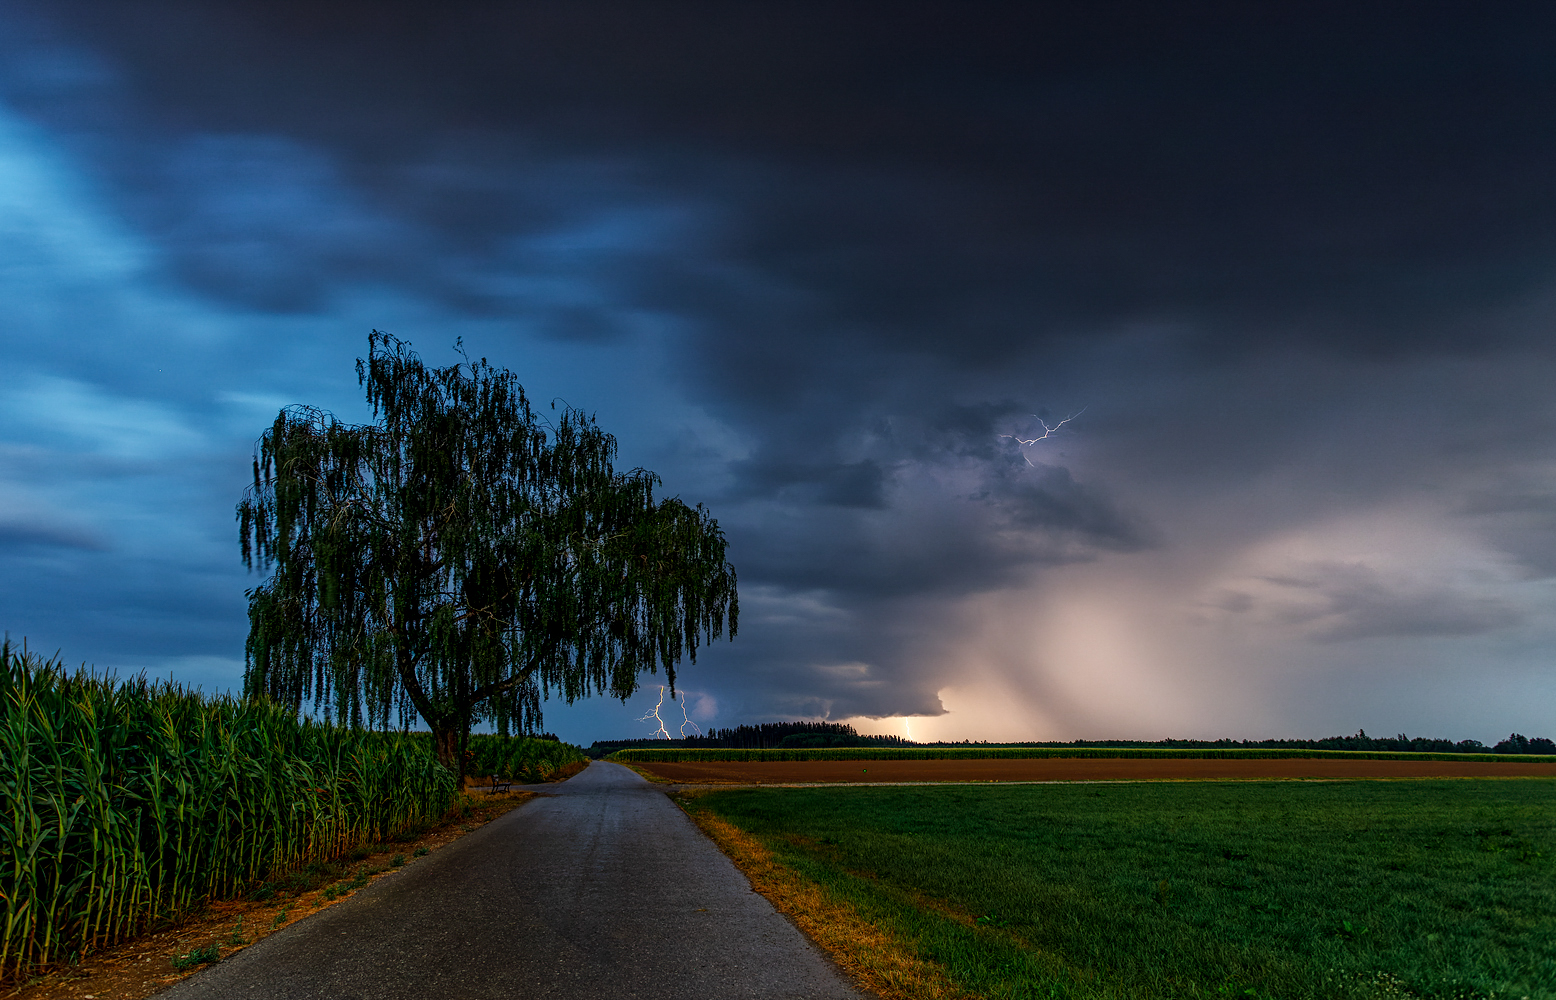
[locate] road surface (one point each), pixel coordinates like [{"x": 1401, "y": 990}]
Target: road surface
[{"x": 601, "y": 888}]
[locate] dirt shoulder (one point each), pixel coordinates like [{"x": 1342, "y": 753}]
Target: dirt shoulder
[
  {"x": 1070, "y": 769},
  {"x": 643, "y": 771},
  {"x": 143, "y": 966}
]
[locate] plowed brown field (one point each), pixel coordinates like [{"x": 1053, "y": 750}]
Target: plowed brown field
[{"x": 1075, "y": 769}]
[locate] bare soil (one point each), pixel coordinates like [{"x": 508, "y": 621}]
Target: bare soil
[{"x": 1071, "y": 769}]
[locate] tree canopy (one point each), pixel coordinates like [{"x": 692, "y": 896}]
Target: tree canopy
[{"x": 459, "y": 557}]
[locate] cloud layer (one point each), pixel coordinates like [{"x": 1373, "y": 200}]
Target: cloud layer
[{"x": 825, "y": 268}]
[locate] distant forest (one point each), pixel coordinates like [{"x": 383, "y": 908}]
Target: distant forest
[{"x": 786, "y": 735}]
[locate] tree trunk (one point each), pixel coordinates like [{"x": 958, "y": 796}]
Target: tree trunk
[
  {"x": 447, "y": 744},
  {"x": 449, "y": 731}
]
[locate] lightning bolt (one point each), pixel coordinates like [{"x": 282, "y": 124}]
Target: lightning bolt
[
  {"x": 653, "y": 713},
  {"x": 1047, "y": 432},
  {"x": 663, "y": 731},
  {"x": 686, "y": 720}
]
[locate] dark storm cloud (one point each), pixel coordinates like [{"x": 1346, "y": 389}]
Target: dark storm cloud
[
  {"x": 907, "y": 166},
  {"x": 876, "y": 241},
  {"x": 853, "y": 484},
  {"x": 1047, "y": 497},
  {"x": 799, "y": 666}
]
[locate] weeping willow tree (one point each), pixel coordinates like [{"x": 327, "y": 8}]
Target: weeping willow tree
[{"x": 460, "y": 558}]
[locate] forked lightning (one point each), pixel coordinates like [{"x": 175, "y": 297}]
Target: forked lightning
[
  {"x": 663, "y": 731},
  {"x": 1047, "y": 432}
]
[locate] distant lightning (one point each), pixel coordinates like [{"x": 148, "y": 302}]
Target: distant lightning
[
  {"x": 663, "y": 731},
  {"x": 1047, "y": 432},
  {"x": 686, "y": 720},
  {"x": 653, "y": 713}
]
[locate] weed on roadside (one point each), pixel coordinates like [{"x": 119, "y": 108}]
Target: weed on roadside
[{"x": 199, "y": 956}]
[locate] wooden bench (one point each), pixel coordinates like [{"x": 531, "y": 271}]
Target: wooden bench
[{"x": 499, "y": 785}]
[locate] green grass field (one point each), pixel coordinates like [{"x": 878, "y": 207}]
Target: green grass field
[{"x": 1291, "y": 890}]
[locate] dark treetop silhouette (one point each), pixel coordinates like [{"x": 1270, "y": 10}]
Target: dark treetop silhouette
[{"x": 459, "y": 556}]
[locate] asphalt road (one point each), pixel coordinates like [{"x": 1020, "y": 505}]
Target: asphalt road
[{"x": 601, "y": 888}]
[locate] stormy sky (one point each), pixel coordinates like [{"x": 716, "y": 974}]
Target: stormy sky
[{"x": 831, "y": 269}]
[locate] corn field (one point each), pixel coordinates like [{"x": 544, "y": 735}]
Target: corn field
[
  {"x": 128, "y": 803},
  {"x": 522, "y": 758}
]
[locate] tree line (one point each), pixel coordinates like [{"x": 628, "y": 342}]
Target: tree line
[
  {"x": 785, "y": 735},
  {"x": 764, "y": 736},
  {"x": 1361, "y": 741}
]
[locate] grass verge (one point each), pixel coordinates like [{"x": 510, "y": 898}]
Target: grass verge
[
  {"x": 146, "y": 965},
  {"x": 1298, "y": 891},
  {"x": 875, "y": 958}
]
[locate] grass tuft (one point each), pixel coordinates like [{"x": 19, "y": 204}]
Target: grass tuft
[{"x": 211, "y": 953}]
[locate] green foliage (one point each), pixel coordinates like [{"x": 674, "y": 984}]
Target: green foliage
[
  {"x": 520, "y": 758},
  {"x": 670, "y": 755},
  {"x": 300, "y": 880},
  {"x": 765, "y": 735},
  {"x": 823, "y": 741},
  {"x": 129, "y": 803},
  {"x": 359, "y": 879},
  {"x": 200, "y": 956},
  {"x": 1297, "y": 891},
  {"x": 460, "y": 557}
]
